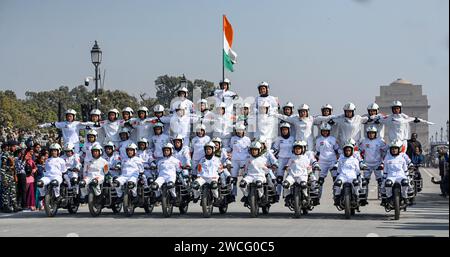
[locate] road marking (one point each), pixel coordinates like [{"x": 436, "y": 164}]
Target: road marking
[
  {"x": 72, "y": 235},
  {"x": 429, "y": 174},
  {"x": 372, "y": 235}
]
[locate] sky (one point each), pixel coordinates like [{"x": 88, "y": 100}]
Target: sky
[{"x": 329, "y": 51}]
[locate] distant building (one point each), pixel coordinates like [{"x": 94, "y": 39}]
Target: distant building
[{"x": 415, "y": 104}]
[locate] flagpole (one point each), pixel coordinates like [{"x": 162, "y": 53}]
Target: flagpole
[{"x": 223, "y": 57}]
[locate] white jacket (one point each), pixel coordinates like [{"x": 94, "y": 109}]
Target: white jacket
[
  {"x": 373, "y": 151},
  {"x": 168, "y": 167},
  {"x": 197, "y": 145},
  {"x": 239, "y": 147},
  {"x": 349, "y": 128},
  {"x": 96, "y": 168},
  {"x": 72, "y": 162},
  {"x": 131, "y": 167},
  {"x": 283, "y": 146},
  {"x": 54, "y": 167},
  {"x": 348, "y": 167},
  {"x": 327, "y": 147},
  {"x": 156, "y": 143},
  {"x": 395, "y": 167},
  {"x": 300, "y": 166},
  {"x": 209, "y": 168}
]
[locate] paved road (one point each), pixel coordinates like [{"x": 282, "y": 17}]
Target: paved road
[{"x": 429, "y": 217}]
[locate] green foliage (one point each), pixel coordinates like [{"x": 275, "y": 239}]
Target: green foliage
[{"x": 41, "y": 107}]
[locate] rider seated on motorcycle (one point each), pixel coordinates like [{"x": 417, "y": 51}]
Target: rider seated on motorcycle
[
  {"x": 132, "y": 166},
  {"x": 73, "y": 165},
  {"x": 254, "y": 171},
  {"x": 113, "y": 159},
  {"x": 348, "y": 171},
  {"x": 373, "y": 151},
  {"x": 298, "y": 168},
  {"x": 168, "y": 167},
  {"x": 147, "y": 157},
  {"x": 208, "y": 172},
  {"x": 222, "y": 154},
  {"x": 94, "y": 171},
  {"x": 55, "y": 167},
  {"x": 395, "y": 168}
]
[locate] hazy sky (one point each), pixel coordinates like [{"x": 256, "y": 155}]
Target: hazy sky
[{"x": 325, "y": 51}]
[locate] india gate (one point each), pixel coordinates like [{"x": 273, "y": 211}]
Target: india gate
[{"x": 415, "y": 104}]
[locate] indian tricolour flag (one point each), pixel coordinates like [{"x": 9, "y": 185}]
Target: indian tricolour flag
[{"x": 229, "y": 56}]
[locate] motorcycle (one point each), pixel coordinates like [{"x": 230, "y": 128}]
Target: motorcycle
[
  {"x": 68, "y": 198},
  {"x": 396, "y": 202},
  {"x": 182, "y": 196},
  {"x": 142, "y": 199},
  {"x": 303, "y": 197},
  {"x": 255, "y": 201},
  {"x": 351, "y": 198},
  {"x": 107, "y": 199},
  {"x": 208, "y": 201}
]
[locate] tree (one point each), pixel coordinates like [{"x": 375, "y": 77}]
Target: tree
[{"x": 167, "y": 87}]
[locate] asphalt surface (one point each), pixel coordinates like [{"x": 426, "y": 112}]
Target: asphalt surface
[{"x": 429, "y": 217}]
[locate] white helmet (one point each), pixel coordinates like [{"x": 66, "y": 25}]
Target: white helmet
[
  {"x": 396, "y": 143},
  {"x": 301, "y": 143},
  {"x": 200, "y": 127},
  {"x": 396, "y": 103},
  {"x": 203, "y": 101},
  {"x": 92, "y": 132},
  {"x": 95, "y": 112},
  {"x": 372, "y": 129},
  {"x": 70, "y": 111},
  {"x": 180, "y": 106},
  {"x": 178, "y": 137},
  {"x": 97, "y": 146},
  {"x": 289, "y": 105},
  {"x": 114, "y": 110},
  {"x": 143, "y": 140},
  {"x": 303, "y": 107},
  {"x": 132, "y": 146},
  {"x": 246, "y": 105},
  {"x": 158, "y": 108},
  {"x": 349, "y": 145},
  {"x": 325, "y": 126},
  {"x": 225, "y": 81},
  {"x": 110, "y": 144},
  {"x": 128, "y": 109},
  {"x": 327, "y": 106},
  {"x": 168, "y": 145},
  {"x": 69, "y": 147},
  {"x": 216, "y": 139},
  {"x": 263, "y": 84},
  {"x": 221, "y": 105},
  {"x": 240, "y": 126},
  {"x": 143, "y": 109},
  {"x": 158, "y": 124},
  {"x": 183, "y": 89},
  {"x": 373, "y": 106},
  {"x": 255, "y": 145},
  {"x": 55, "y": 146},
  {"x": 262, "y": 139},
  {"x": 351, "y": 141},
  {"x": 285, "y": 125},
  {"x": 349, "y": 107},
  {"x": 125, "y": 130},
  {"x": 210, "y": 144}
]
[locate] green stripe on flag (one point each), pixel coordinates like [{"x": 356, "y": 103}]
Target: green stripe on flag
[{"x": 227, "y": 61}]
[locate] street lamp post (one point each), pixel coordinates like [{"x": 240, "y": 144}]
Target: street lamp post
[
  {"x": 96, "y": 58},
  {"x": 183, "y": 82}
]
